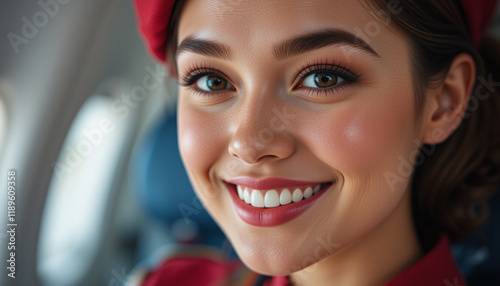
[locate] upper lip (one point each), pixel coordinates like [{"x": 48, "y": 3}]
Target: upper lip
[{"x": 270, "y": 183}]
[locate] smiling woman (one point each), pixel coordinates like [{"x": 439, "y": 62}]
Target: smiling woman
[{"x": 322, "y": 135}]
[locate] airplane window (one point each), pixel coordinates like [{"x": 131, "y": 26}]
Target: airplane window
[
  {"x": 3, "y": 123},
  {"x": 79, "y": 194}
]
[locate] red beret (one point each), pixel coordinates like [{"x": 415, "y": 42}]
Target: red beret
[
  {"x": 154, "y": 15},
  {"x": 479, "y": 14}
]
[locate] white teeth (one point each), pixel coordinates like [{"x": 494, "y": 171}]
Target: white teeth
[
  {"x": 240, "y": 192},
  {"x": 246, "y": 196},
  {"x": 285, "y": 197},
  {"x": 271, "y": 199},
  {"x": 297, "y": 195},
  {"x": 257, "y": 200},
  {"x": 308, "y": 192},
  {"x": 317, "y": 188}
]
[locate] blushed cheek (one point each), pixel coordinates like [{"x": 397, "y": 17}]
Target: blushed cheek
[
  {"x": 199, "y": 142},
  {"x": 370, "y": 137},
  {"x": 365, "y": 143}
]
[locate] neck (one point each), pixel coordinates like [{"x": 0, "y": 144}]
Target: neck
[{"x": 374, "y": 259}]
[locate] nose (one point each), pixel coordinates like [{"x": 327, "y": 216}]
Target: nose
[{"x": 261, "y": 135}]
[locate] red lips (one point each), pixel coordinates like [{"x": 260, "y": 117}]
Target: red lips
[{"x": 267, "y": 217}]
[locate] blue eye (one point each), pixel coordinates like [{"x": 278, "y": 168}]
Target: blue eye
[
  {"x": 213, "y": 83},
  {"x": 322, "y": 80}
]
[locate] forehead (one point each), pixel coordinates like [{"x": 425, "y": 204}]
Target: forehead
[{"x": 258, "y": 24}]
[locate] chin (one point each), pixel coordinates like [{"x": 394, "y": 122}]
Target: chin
[{"x": 275, "y": 259}]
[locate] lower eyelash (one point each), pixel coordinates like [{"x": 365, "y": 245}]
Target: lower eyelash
[
  {"x": 327, "y": 91},
  {"x": 202, "y": 93}
]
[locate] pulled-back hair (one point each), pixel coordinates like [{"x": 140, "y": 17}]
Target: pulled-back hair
[{"x": 452, "y": 185}]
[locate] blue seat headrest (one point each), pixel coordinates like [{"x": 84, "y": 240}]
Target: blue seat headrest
[{"x": 162, "y": 184}]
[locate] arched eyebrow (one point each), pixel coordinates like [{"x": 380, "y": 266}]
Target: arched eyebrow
[
  {"x": 204, "y": 47},
  {"x": 316, "y": 40},
  {"x": 287, "y": 48}
]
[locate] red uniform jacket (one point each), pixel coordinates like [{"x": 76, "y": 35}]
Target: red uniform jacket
[{"x": 197, "y": 268}]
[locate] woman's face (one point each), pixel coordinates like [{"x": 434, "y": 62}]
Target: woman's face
[{"x": 281, "y": 99}]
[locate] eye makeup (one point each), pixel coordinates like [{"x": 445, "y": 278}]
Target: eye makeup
[
  {"x": 341, "y": 75},
  {"x": 328, "y": 68}
]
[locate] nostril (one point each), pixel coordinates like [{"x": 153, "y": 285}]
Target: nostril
[
  {"x": 266, "y": 158},
  {"x": 244, "y": 152},
  {"x": 248, "y": 146}
]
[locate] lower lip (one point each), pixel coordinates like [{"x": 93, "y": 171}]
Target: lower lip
[{"x": 267, "y": 217}]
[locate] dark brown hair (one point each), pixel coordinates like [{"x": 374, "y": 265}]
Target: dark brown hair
[
  {"x": 172, "y": 35},
  {"x": 452, "y": 185}
]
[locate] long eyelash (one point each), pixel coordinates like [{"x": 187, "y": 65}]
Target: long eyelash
[
  {"x": 197, "y": 72},
  {"x": 326, "y": 66},
  {"x": 345, "y": 73}
]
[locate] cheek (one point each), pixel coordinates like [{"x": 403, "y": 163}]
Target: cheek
[
  {"x": 369, "y": 138},
  {"x": 200, "y": 143},
  {"x": 362, "y": 143}
]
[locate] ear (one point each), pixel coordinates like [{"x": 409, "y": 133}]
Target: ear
[{"x": 446, "y": 104}]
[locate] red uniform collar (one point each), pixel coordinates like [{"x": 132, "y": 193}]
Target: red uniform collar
[
  {"x": 437, "y": 267},
  {"x": 195, "y": 268}
]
